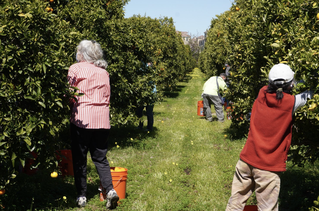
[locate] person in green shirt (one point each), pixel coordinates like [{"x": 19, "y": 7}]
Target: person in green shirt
[{"x": 211, "y": 95}]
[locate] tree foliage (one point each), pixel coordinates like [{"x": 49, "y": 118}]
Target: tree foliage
[
  {"x": 37, "y": 42},
  {"x": 254, "y": 37}
]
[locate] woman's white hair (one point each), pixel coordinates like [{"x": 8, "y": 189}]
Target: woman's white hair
[{"x": 90, "y": 51}]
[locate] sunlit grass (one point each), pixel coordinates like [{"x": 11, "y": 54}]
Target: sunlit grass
[
  {"x": 186, "y": 163},
  {"x": 180, "y": 170}
]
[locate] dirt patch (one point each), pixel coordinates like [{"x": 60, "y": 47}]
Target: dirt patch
[{"x": 187, "y": 171}]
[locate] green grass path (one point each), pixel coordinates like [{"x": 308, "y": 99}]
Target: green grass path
[{"x": 187, "y": 163}]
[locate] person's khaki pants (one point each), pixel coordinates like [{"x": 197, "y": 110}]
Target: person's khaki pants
[{"x": 248, "y": 179}]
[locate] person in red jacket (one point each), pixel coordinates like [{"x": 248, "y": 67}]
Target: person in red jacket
[{"x": 265, "y": 152}]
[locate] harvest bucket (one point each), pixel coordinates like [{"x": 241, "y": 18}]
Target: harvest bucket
[
  {"x": 200, "y": 108},
  {"x": 119, "y": 181},
  {"x": 66, "y": 164},
  {"x": 251, "y": 208}
]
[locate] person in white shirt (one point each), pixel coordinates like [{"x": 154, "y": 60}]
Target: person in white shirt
[{"x": 211, "y": 95}]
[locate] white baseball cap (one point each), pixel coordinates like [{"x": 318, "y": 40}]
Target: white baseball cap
[{"x": 281, "y": 72}]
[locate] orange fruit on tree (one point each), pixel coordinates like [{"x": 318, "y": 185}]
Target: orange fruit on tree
[
  {"x": 312, "y": 106},
  {"x": 2, "y": 191},
  {"x": 51, "y": 1},
  {"x": 237, "y": 8},
  {"x": 54, "y": 174},
  {"x": 48, "y": 9},
  {"x": 317, "y": 16}
]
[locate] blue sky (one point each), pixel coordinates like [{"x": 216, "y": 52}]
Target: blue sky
[{"x": 188, "y": 15}]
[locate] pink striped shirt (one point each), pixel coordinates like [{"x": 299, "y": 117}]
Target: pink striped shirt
[{"x": 92, "y": 109}]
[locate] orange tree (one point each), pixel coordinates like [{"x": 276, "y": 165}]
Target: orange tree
[
  {"x": 216, "y": 36},
  {"x": 34, "y": 56},
  {"x": 135, "y": 42},
  {"x": 172, "y": 57},
  {"x": 257, "y": 36},
  {"x": 38, "y": 39},
  {"x": 234, "y": 38},
  {"x": 128, "y": 51}
]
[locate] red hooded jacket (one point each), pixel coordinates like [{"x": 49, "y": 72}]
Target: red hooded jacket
[{"x": 269, "y": 137}]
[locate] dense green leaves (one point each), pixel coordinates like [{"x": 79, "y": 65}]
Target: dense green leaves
[
  {"x": 37, "y": 43},
  {"x": 252, "y": 40},
  {"x": 33, "y": 86}
]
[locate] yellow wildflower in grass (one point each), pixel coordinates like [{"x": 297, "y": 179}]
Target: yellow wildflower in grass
[
  {"x": 165, "y": 172},
  {"x": 170, "y": 180},
  {"x": 117, "y": 146},
  {"x": 162, "y": 121},
  {"x": 173, "y": 163},
  {"x": 115, "y": 142},
  {"x": 131, "y": 139}
]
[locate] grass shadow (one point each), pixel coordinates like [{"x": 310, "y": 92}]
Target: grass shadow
[
  {"x": 41, "y": 192},
  {"x": 299, "y": 188},
  {"x": 236, "y": 132},
  {"x": 38, "y": 192},
  {"x": 132, "y": 137},
  {"x": 186, "y": 78},
  {"x": 174, "y": 93}
]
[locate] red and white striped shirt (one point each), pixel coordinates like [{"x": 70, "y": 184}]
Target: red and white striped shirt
[{"x": 91, "y": 111}]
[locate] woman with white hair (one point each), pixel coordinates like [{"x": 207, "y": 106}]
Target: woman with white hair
[
  {"x": 90, "y": 123},
  {"x": 265, "y": 152}
]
